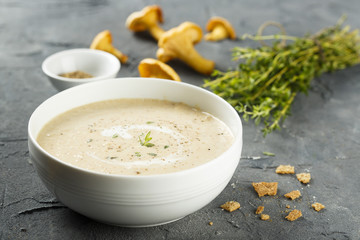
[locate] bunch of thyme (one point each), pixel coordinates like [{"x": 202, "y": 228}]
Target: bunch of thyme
[{"x": 265, "y": 83}]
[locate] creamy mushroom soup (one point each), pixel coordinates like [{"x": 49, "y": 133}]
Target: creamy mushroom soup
[{"x": 135, "y": 137}]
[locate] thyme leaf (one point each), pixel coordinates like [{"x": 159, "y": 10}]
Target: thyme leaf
[
  {"x": 146, "y": 141},
  {"x": 269, "y": 154}
]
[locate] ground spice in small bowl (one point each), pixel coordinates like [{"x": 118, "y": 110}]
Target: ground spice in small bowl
[{"x": 76, "y": 74}]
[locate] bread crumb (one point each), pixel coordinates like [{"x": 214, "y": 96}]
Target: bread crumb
[
  {"x": 264, "y": 217},
  {"x": 304, "y": 177},
  {"x": 265, "y": 188},
  {"x": 293, "y": 215},
  {"x": 230, "y": 206},
  {"x": 285, "y": 169},
  {"x": 259, "y": 210},
  {"x": 287, "y": 206},
  {"x": 211, "y": 223},
  {"x": 293, "y": 194},
  {"x": 317, "y": 206}
]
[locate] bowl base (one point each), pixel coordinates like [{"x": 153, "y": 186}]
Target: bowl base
[{"x": 140, "y": 226}]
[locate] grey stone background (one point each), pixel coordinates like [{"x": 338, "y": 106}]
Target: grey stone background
[{"x": 321, "y": 136}]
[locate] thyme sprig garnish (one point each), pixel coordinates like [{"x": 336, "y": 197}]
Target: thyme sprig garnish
[
  {"x": 146, "y": 142},
  {"x": 268, "y": 78}
]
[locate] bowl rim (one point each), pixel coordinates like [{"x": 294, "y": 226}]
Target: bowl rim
[
  {"x": 238, "y": 138},
  {"x": 115, "y": 62}
]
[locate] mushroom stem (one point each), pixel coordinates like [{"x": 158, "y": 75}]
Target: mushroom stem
[
  {"x": 197, "y": 62},
  {"x": 217, "y": 34},
  {"x": 122, "y": 57},
  {"x": 156, "y": 31},
  {"x": 191, "y": 57}
]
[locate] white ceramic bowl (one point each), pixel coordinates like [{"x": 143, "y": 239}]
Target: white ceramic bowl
[
  {"x": 135, "y": 201},
  {"x": 100, "y": 64}
]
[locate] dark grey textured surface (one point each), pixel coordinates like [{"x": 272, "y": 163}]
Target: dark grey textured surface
[{"x": 322, "y": 136}]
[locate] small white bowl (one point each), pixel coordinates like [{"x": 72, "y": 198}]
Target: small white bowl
[
  {"x": 100, "y": 64},
  {"x": 135, "y": 201}
]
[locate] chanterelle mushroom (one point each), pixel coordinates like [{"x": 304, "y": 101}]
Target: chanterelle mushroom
[
  {"x": 150, "y": 67},
  {"x": 146, "y": 20},
  {"x": 103, "y": 41},
  {"x": 179, "y": 43},
  {"x": 219, "y": 29}
]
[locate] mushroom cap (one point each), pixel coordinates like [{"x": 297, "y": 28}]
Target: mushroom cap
[
  {"x": 185, "y": 30},
  {"x": 179, "y": 43},
  {"x": 178, "y": 39},
  {"x": 150, "y": 67},
  {"x": 219, "y": 21},
  {"x": 101, "y": 40},
  {"x": 141, "y": 20}
]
